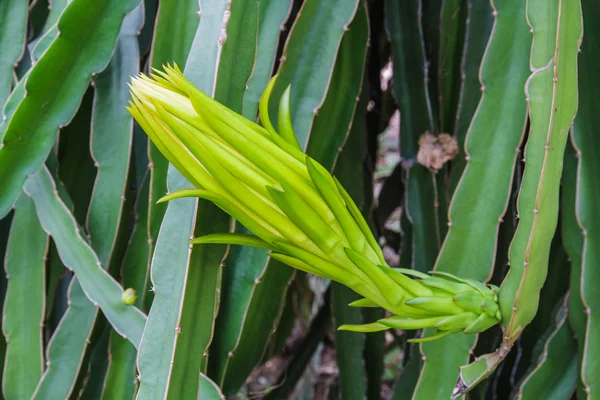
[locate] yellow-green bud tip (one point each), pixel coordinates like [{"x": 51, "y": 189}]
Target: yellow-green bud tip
[{"x": 129, "y": 296}]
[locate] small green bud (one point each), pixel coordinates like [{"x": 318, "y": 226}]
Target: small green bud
[{"x": 129, "y": 296}]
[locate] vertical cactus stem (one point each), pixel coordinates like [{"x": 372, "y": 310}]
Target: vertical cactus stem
[
  {"x": 100, "y": 287},
  {"x": 482, "y": 180},
  {"x": 13, "y": 36},
  {"x": 553, "y": 104},
  {"x": 480, "y": 21},
  {"x": 553, "y": 374},
  {"x": 61, "y": 372},
  {"x": 552, "y": 107},
  {"x": 450, "y": 72},
  {"x": 24, "y": 305},
  {"x": 436, "y": 207},
  {"x": 572, "y": 238},
  {"x": 582, "y": 178},
  {"x": 36, "y": 126},
  {"x": 284, "y": 120}
]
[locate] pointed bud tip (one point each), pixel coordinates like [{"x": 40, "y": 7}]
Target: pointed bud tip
[{"x": 163, "y": 199}]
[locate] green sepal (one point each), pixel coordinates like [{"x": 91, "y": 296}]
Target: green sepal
[
  {"x": 430, "y": 338},
  {"x": 403, "y": 323},
  {"x": 356, "y": 279},
  {"x": 223, "y": 119},
  {"x": 259, "y": 149},
  {"x": 195, "y": 127},
  {"x": 307, "y": 220},
  {"x": 475, "y": 302},
  {"x": 263, "y": 107},
  {"x": 288, "y": 137},
  {"x": 162, "y": 78},
  {"x": 182, "y": 193},
  {"x": 457, "y": 322},
  {"x": 483, "y": 323},
  {"x": 297, "y": 264},
  {"x": 240, "y": 239},
  {"x": 259, "y": 144},
  {"x": 411, "y": 285},
  {"x": 228, "y": 181},
  {"x": 310, "y": 195},
  {"x": 412, "y": 272},
  {"x": 368, "y": 303},
  {"x": 470, "y": 300},
  {"x": 284, "y": 119},
  {"x": 251, "y": 221},
  {"x": 480, "y": 287},
  {"x": 167, "y": 143},
  {"x": 393, "y": 293},
  {"x": 255, "y": 168},
  {"x": 206, "y": 103},
  {"x": 150, "y": 91},
  {"x": 360, "y": 221},
  {"x": 364, "y": 328},
  {"x": 241, "y": 169},
  {"x": 326, "y": 187},
  {"x": 253, "y": 202},
  {"x": 439, "y": 305},
  {"x": 491, "y": 308},
  {"x": 204, "y": 148},
  {"x": 276, "y": 170},
  {"x": 447, "y": 275},
  {"x": 446, "y": 285}
]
